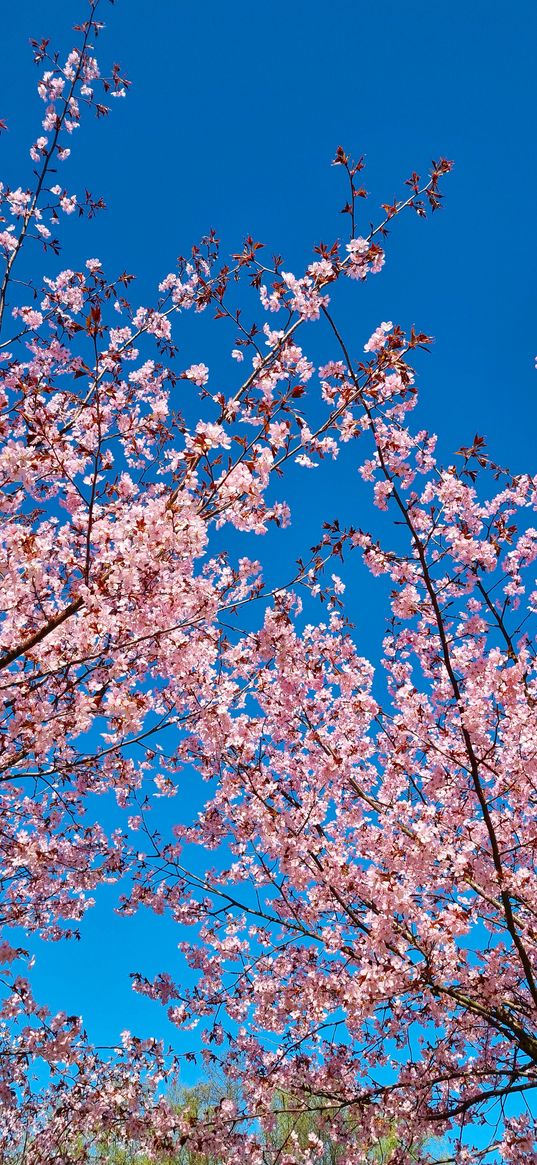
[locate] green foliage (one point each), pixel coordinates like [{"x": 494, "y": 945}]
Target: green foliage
[{"x": 292, "y": 1125}]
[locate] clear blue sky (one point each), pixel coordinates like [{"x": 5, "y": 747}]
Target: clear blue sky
[{"x": 232, "y": 120}]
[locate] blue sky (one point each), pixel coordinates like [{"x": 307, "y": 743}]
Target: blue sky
[{"x": 234, "y": 115}]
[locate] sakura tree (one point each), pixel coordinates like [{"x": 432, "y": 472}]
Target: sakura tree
[{"x": 364, "y": 939}]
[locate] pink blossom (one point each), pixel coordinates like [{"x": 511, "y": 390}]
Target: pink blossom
[
  {"x": 68, "y": 203},
  {"x": 30, "y": 317},
  {"x": 339, "y": 586},
  {"x": 378, "y": 339},
  {"x": 198, "y": 373}
]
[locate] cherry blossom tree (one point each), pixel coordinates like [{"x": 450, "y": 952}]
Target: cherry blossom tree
[
  {"x": 363, "y": 941},
  {"x": 198, "y": 1105}
]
